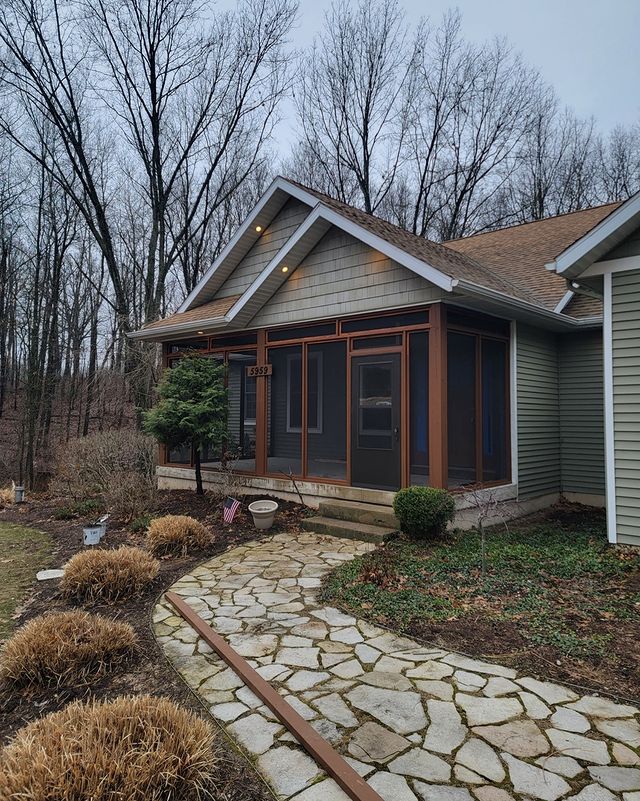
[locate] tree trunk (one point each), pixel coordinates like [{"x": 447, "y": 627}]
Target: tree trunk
[{"x": 196, "y": 461}]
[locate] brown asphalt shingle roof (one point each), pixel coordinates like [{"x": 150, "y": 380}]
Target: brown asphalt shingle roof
[
  {"x": 510, "y": 260},
  {"x": 211, "y": 310},
  {"x": 521, "y": 251}
]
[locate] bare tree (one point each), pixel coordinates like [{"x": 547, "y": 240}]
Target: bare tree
[
  {"x": 619, "y": 163},
  {"x": 353, "y": 100}
]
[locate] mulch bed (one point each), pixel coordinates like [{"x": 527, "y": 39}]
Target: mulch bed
[{"x": 150, "y": 672}]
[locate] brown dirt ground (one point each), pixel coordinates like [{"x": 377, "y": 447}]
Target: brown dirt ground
[{"x": 149, "y": 672}]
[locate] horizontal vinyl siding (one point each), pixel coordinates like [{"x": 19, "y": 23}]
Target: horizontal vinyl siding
[
  {"x": 281, "y": 228},
  {"x": 625, "y": 321},
  {"x": 582, "y": 412},
  {"x": 343, "y": 276},
  {"x": 538, "y": 413}
]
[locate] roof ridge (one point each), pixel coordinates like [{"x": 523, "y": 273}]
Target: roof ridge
[{"x": 615, "y": 203}]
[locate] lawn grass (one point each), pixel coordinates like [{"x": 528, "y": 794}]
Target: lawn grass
[
  {"x": 23, "y": 551},
  {"x": 553, "y": 584}
]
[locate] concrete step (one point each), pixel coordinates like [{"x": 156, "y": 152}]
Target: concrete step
[
  {"x": 347, "y": 528},
  {"x": 357, "y": 512}
]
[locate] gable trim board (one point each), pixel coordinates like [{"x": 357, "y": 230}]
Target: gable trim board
[{"x": 594, "y": 244}]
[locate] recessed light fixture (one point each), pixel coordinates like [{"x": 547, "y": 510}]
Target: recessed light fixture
[
  {"x": 285, "y": 269},
  {"x": 258, "y": 228},
  {"x": 199, "y": 332}
]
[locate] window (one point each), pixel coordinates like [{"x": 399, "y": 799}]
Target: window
[
  {"x": 314, "y": 393},
  {"x": 419, "y": 408}
]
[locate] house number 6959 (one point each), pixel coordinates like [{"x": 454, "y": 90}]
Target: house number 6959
[{"x": 259, "y": 369}]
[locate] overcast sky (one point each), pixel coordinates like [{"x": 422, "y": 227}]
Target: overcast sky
[{"x": 588, "y": 49}]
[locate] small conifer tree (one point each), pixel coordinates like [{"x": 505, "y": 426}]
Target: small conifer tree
[{"x": 191, "y": 408}]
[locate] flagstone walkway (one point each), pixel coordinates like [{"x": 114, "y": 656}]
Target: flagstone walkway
[{"x": 420, "y": 723}]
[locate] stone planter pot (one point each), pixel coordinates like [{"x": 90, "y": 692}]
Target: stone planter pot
[
  {"x": 91, "y": 534},
  {"x": 263, "y": 513}
]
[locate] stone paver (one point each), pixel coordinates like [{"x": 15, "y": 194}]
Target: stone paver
[{"x": 417, "y": 722}]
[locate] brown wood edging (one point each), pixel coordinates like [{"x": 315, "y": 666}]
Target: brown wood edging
[{"x": 349, "y": 780}]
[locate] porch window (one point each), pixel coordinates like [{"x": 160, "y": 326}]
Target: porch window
[
  {"x": 419, "y": 408},
  {"x": 477, "y": 400},
  {"x": 327, "y": 410},
  {"x": 284, "y": 411}
]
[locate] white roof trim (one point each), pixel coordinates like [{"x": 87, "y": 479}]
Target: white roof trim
[
  {"x": 322, "y": 213},
  {"x": 597, "y": 236},
  {"x": 566, "y": 299},
  {"x": 254, "y": 216}
]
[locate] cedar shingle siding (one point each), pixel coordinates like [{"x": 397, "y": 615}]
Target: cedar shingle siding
[
  {"x": 582, "y": 412},
  {"x": 625, "y": 317},
  {"x": 538, "y": 412},
  {"x": 341, "y": 276}
]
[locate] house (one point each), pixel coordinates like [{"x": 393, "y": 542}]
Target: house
[{"x": 363, "y": 358}]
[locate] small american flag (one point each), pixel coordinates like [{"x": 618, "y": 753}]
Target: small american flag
[{"x": 230, "y": 508}]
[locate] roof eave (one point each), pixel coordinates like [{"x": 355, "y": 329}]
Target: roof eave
[
  {"x": 161, "y": 333},
  {"x": 599, "y": 240}
]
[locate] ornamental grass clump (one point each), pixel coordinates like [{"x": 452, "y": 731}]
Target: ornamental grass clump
[
  {"x": 424, "y": 512},
  {"x": 176, "y": 534},
  {"x": 137, "y": 748},
  {"x": 64, "y": 648},
  {"x": 108, "y": 575}
]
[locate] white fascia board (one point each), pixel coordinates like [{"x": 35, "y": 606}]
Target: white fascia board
[
  {"x": 508, "y": 300},
  {"x": 566, "y": 298},
  {"x": 278, "y": 184},
  {"x": 623, "y": 214},
  {"x": 327, "y": 215}
]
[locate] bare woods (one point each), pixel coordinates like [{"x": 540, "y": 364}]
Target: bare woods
[{"x": 135, "y": 136}]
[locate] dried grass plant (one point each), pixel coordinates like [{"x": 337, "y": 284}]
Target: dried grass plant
[
  {"x": 176, "y": 534},
  {"x": 108, "y": 575},
  {"x": 65, "y": 648},
  {"x": 7, "y": 495},
  {"x": 137, "y": 748}
]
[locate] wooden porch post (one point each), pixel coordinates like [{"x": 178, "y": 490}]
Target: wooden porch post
[
  {"x": 438, "y": 440},
  {"x": 261, "y": 407}
]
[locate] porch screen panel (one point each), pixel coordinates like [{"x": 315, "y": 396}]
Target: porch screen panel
[
  {"x": 494, "y": 410},
  {"x": 241, "y": 424},
  {"x": 284, "y": 437},
  {"x": 461, "y": 403},
  {"x": 327, "y": 410},
  {"x": 419, "y": 408},
  {"x": 213, "y": 457}
]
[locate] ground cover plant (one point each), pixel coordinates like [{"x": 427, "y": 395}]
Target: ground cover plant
[
  {"x": 176, "y": 534},
  {"x": 23, "y": 551},
  {"x": 554, "y": 596},
  {"x": 64, "y": 648},
  {"x": 108, "y": 575},
  {"x": 136, "y": 747}
]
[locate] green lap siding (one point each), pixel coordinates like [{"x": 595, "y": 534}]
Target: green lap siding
[
  {"x": 582, "y": 412},
  {"x": 538, "y": 412},
  {"x": 625, "y": 321}
]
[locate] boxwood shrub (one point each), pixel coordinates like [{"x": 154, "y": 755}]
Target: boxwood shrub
[{"x": 424, "y": 512}]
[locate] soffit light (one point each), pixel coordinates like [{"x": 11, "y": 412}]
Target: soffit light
[
  {"x": 258, "y": 228},
  {"x": 199, "y": 332},
  {"x": 285, "y": 269}
]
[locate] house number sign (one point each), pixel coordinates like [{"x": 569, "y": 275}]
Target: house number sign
[{"x": 258, "y": 370}]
